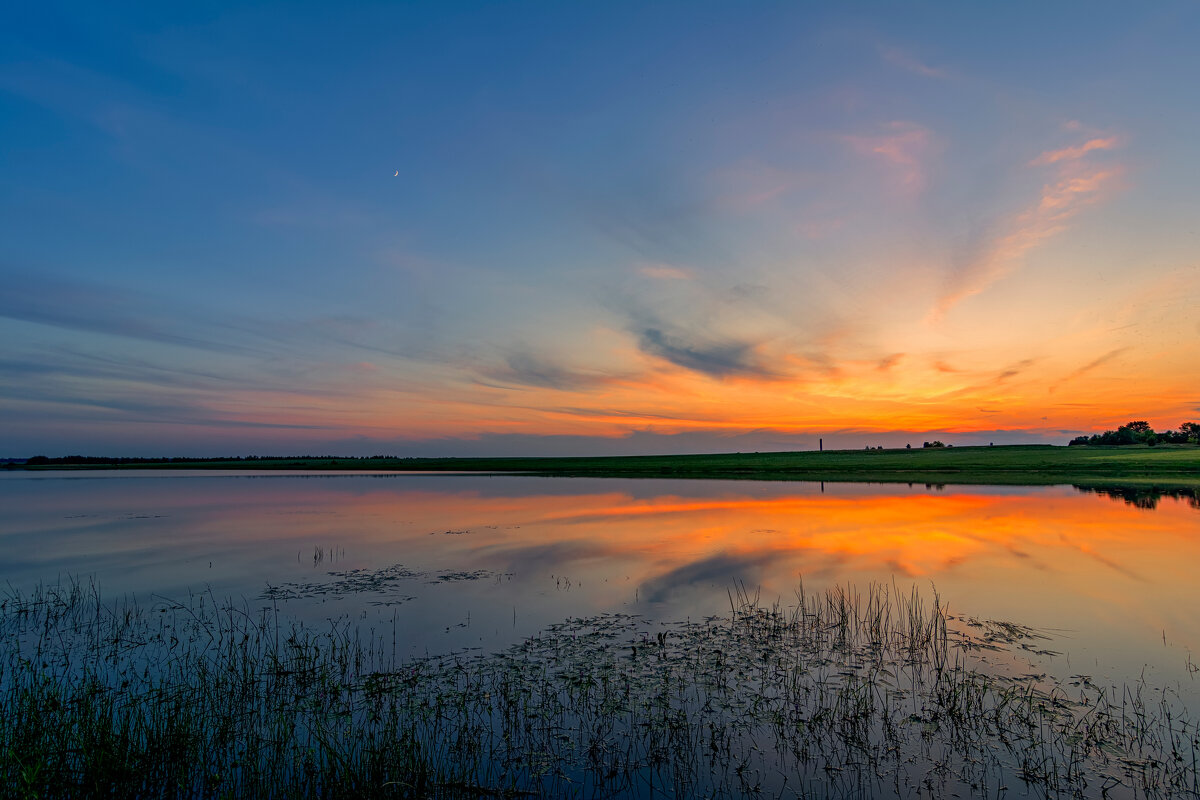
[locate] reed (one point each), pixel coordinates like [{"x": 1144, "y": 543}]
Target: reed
[{"x": 841, "y": 693}]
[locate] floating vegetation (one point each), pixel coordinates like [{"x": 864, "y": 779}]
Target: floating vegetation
[
  {"x": 454, "y": 576},
  {"x": 839, "y": 695},
  {"x": 360, "y": 581},
  {"x": 343, "y": 583}
]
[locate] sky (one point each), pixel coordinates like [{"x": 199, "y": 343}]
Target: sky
[{"x": 453, "y": 228}]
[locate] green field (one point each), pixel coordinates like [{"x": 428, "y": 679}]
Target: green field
[{"x": 1176, "y": 465}]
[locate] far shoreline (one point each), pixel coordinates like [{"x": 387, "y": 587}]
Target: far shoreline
[{"x": 993, "y": 465}]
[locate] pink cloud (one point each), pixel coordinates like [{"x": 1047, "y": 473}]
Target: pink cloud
[
  {"x": 1074, "y": 153},
  {"x": 1069, "y": 192},
  {"x": 903, "y": 145},
  {"x": 1077, "y": 185},
  {"x": 664, "y": 272},
  {"x": 751, "y": 184}
]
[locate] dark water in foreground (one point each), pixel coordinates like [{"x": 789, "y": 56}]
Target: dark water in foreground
[{"x": 451, "y": 562}]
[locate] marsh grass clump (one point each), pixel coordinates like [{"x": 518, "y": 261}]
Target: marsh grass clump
[{"x": 838, "y": 694}]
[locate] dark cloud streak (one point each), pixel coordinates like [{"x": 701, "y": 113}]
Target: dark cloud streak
[
  {"x": 526, "y": 368},
  {"x": 102, "y": 310},
  {"x": 715, "y": 359}
]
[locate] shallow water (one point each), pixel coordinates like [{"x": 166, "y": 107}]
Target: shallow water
[{"x": 457, "y": 561}]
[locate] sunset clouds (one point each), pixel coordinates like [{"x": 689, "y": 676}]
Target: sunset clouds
[
  {"x": 902, "y": 146},
  {"x": 1076, "y": 182},
  {"x": 1073, "y": 153},
  {"x": 736, "y": 229}
]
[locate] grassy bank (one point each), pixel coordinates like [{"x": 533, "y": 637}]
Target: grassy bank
[
  {"x": 840, "y": 695},
  {"x": 1170, "y": 465}
]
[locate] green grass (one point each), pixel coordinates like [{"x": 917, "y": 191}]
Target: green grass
[
  {"x": 1168, "y": 465},
  {"x": 840, "y": 694},
  {"x": 1014, "y": 463}
]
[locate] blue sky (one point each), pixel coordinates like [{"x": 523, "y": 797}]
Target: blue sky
[{"x": 536, "y": 227}]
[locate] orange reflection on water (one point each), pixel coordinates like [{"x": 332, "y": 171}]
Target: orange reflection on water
[
  {"x": 1104, "y": 570},
  {"x": 988, "y": 541},
  {"x": 916, "y": 534},
  {"x": 1053, "y": 557}
]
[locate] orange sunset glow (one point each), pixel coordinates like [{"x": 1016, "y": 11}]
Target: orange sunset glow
[{"x": 733, "y": 231}]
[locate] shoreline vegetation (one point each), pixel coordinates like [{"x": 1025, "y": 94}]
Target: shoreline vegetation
[
  {"x": 1165, "y": 466},
  {"x": 838, "y": 694}
]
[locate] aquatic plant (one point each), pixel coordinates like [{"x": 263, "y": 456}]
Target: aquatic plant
[{"x": 841, "y": 694}]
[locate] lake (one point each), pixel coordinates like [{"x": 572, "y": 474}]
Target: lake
[
  {"x": 474, "y": 561},
  {"x": 463, "y": 635}
]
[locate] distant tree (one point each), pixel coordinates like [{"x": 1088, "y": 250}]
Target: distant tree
[
  {"x": 934, "y": 443},
  {"x": 1123, "y": 435},
  {"x": 1140, "y": 432},
  {"x": 1135, "y": 432}
]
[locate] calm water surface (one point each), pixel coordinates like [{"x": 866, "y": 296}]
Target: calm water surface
[{"x": 481, "y": 561}]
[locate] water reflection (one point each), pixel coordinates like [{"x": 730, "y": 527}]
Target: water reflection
[
  {"x": 1146, "y": 497},
  {"x": 480, "y": 561}
]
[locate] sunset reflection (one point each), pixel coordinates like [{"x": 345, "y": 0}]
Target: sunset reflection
[{"x": 1109, "y": 568}]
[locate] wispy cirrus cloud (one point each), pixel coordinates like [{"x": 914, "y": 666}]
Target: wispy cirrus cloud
[
  {"x": 1014, "y": 370},
  {"x": 652, "y": 211},
  {"x": 751, "y": 184},
  {"x": 523, "y": 367},
  {"x": 1095, "y": 363},
  {"x": 1077, "y": 183},
  {"x": 723, "y": 333},
  {"x": 1075, "y": 152},
  {"x": 887, "y": 362},
  {"x": 665, "y": 272},
  {"x": 907, "y": 61},
  {"x": 46, "y": 404},
  {"x": 100, "y": 309},
  {"x": 903, "y": 146}
]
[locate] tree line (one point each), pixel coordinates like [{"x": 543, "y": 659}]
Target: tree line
[
  {"x": 1140, "y": 432},
  {"x": 43, "y": 461}
]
